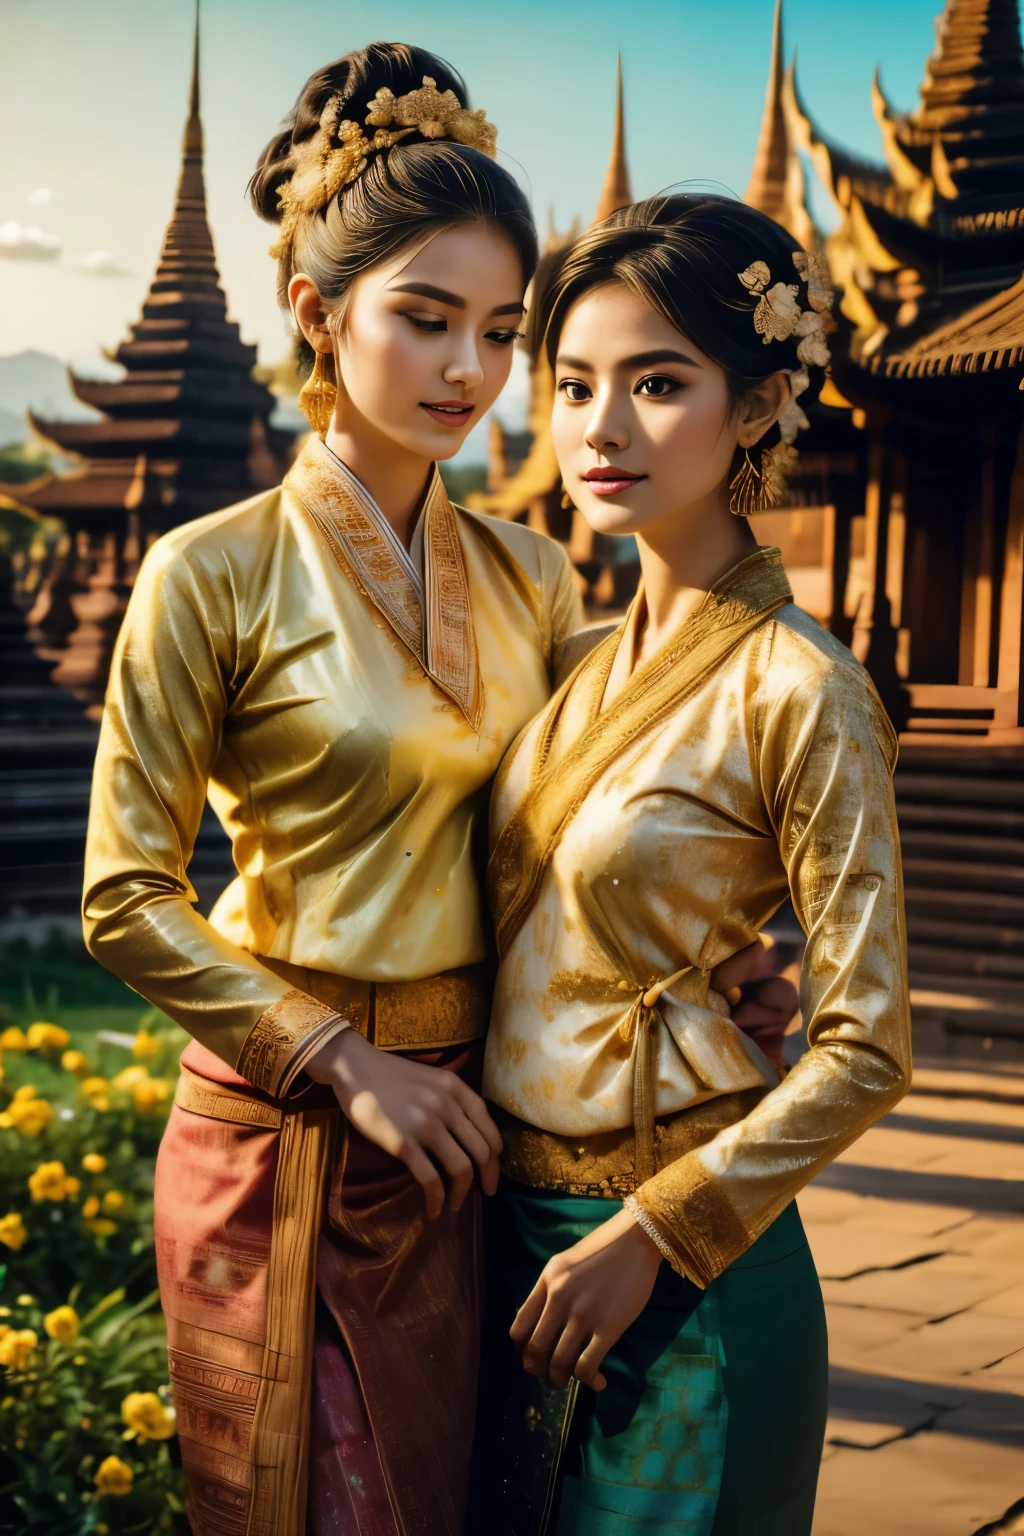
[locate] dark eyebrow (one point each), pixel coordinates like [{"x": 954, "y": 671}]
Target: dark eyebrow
[
  {"x": 638, "y": 360},
  {"x": 428, "y": 291}
]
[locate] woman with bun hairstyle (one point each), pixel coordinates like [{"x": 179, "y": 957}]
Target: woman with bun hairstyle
[
  {"x": 716, "y": 755},
  {"x": 342, "y": 662}
]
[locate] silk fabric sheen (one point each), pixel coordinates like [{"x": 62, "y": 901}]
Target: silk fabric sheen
[
  {"x": 772, "y": 779},
  {"x": 269, "y": 654}
]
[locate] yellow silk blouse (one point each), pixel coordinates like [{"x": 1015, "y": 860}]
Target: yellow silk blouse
[
  {"x": 276, "y": 656},
  {"x": 655, "y": 826}
]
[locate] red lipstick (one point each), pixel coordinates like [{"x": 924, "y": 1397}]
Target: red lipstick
[
  {"x": 450, "y": 413},
  {"x": 607, "y": 480}
]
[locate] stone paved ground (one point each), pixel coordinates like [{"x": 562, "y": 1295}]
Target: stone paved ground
[{"x": 918, "y": 1235}]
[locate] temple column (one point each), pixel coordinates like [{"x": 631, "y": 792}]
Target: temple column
[
  {"x": 1009, "y": 704},
  {"x": 976, "y": 609},
  {"x": 874, "y": 635}
]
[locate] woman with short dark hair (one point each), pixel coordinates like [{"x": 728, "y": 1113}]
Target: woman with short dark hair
[{"x": 716, "y": 755}]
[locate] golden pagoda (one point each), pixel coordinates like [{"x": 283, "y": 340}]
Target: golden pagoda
[
  {"x": 185, "y": 431},
  {"x": 524, "y": 484}
]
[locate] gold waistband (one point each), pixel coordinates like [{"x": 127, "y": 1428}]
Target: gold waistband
[
  {"x": 605, "y": 1165},
  {"x": 218, "y": 1101},
  {"x": 453, "y": 1008}
]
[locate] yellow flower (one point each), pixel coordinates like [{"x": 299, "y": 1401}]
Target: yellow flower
[
  {"x": 91, "y": 1208},
  {"x": 147, "y": 1095},
  {"x": 74, "y": 1061},
  {"x": 62, "y": 1324},
  {"x": 101, "y": 1227},
  {"x": 26, "y": 1301},
  {"x": 5, "y": 1121},
  {"x": 29, "y": 1114},
  {"x": 72, "y": 1186},
  {"x": 23, "y": 1094},
  {"x": 12, "y": 1231},
  {"x": 114, "y": 1476},
  {"x": 95, "y": 1090},
  {"x": 16, "y": 1348},
  {"x": 145, "y": 1044},
  {"x": 94, "y": 1162},
  {"x": 12, "y": 1039},
  {"x": 144, "y": 1413},
  {"x": 46, "y": 1037},
  {"x": 85, "y": 1423},
  {"x": 49, "y": 1182},
  {"x": 129, "y": 1076},
  {"x": 113, "y": 1202}
]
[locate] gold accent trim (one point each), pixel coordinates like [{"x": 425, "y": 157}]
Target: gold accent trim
[
  {"x": 565, "y": 771},
  {"x": 603, "y": 1165},
  {"x": 267, "y": 1048},
  {"x": 218, "y": 1102},
  {"x": 280, "y": 1432},
  {"x": 448, "y": 654},
  {"x": 645, "y": 1224},
  {"x": 451, "y": 1009},
  {"x": 693, "y": 1214}
]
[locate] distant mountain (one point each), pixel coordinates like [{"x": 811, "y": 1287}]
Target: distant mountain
[
  {"x": 12, "y": 428},
  {"x": 35, "y": 381}
]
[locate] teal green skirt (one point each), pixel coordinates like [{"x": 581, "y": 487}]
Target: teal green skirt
[{"x": 713, "y": 1418}]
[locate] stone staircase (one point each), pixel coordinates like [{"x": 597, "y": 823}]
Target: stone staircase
[{"x": 961, "y": 814}]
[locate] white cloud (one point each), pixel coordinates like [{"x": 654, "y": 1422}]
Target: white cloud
[
  {"x": 39, "y": 196},
  {"x": 20, "y": 242},
  {"x": 100, "y": 264}
]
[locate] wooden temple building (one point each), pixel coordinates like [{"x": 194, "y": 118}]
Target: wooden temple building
[{"x": 185, "y": 431}]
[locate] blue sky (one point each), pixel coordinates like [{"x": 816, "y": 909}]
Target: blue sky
[{"x": 92, "y": 100}]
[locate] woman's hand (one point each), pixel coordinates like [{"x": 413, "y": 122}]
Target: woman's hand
[
  {"x": 769, "y": 1004},
  {"x": 584, "y": 1301},
  {"x": 428, "y": 1118}
]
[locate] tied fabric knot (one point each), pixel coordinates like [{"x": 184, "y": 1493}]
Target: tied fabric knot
[{"x": 636, "y": 1026}]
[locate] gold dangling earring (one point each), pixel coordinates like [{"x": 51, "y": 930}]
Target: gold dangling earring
[
  {"x": 567, "y": 502},
  {"x": 319, "y": 394},
  {"x": 746, "y": 489}
]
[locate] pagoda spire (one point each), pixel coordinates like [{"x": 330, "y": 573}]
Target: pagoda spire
[
  {"x": 188, "y": 243},
  {"x": 616, "y": 192},
  {"x": 776, "y": 178},
  {"x": 767, "y": 189},
  {"x": 977, "y": 69}
]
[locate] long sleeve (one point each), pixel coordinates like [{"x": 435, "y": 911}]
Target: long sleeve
[
  {"x": 175, "y": 664},
  {"x": 825, "y": 755}
]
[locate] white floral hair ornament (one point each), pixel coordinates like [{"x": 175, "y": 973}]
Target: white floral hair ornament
[
  {"x": 339, "y": 152},
  {"x": 778, "y": 317}
]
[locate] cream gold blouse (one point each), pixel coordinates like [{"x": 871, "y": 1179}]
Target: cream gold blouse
[
  {"x": 642, "y": 834},
  {"x": 276, "y": 656}
]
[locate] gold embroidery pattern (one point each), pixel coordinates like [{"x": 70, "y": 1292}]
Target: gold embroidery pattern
[
  {"x": 274, "y": 1036},
  {"x": 695, "y": 1218},
  {"x": 218, "y": 1102},
  {"x": 453, "y": 662},
  {"x": 451, "y": 641},
  {"x": 602, "y": 1165},
  {"x": 565, "y": 771}
]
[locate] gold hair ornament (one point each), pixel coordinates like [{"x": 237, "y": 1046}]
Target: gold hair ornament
[
  {"x": 338, "y": 153},
  {"x": 778, "y": 317}
]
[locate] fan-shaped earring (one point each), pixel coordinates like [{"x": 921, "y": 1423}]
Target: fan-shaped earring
[
  {"x": 746, "y": 489},
  {"x": 319, "y": 394}
]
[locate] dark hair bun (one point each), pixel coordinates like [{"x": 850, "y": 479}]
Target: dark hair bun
[{"x": 356, "y": 78}]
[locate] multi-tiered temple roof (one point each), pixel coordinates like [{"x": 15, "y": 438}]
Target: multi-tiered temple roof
[
  {"x": 939, "y": 230},
  {"x": 187, "y": 403}
]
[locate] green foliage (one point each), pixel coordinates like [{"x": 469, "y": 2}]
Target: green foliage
[
  {"x": 461, "y": 479},
  {"x": 37, "y": 979},
  {"x": 61, "y": 1418},
  {"x": 79, "y": 1132}
]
